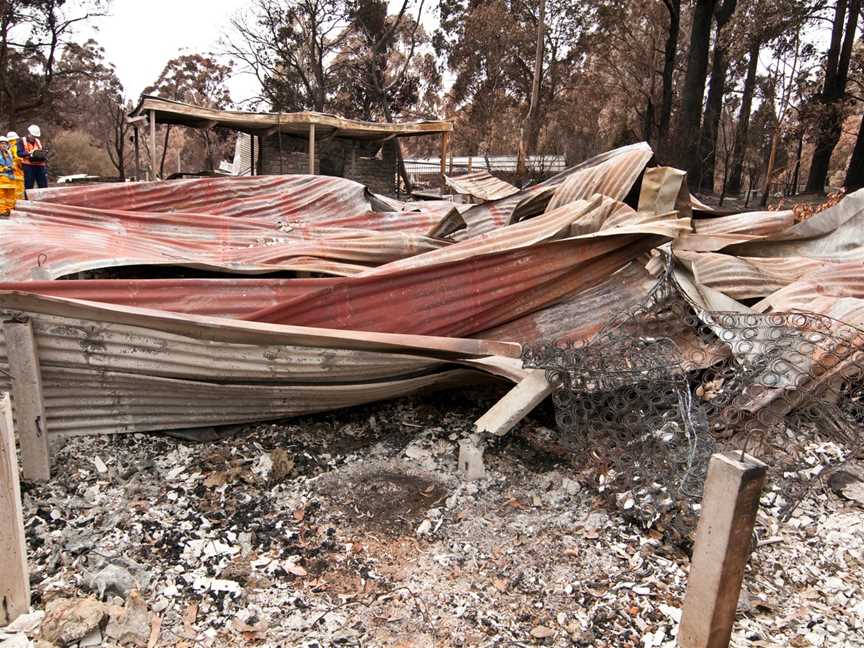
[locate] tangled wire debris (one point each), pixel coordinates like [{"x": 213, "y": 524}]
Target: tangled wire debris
[{"x": 654, "y": 392}]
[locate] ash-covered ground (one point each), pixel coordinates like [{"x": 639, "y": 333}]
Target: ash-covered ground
[{"x": 353, "y": 529}]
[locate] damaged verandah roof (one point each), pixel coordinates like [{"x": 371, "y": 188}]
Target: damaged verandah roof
[{"x": 167, "y": 111}]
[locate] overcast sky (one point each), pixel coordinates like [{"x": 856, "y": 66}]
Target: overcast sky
[{"x": 139, "y": 38}]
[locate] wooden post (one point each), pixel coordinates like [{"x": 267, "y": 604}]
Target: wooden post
[
  {"x": 515, "y": 404},
  {"x": 722, "y": 547},
  {"x": 252, "y": 154},
  {"x": 137, "y": 156},
  {"x": 520, "y": 155},
  {"x": 153, "y": 143},
  {"x": 14, "y": 580},
  {"x": 311, "y": 149},
  {"x": 27, "y": 396},
  {"x": 470, "y": 160},
  {"x": 445, "y": 147}
]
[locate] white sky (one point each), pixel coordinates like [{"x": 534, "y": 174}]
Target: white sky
[{"x": 140, "y": 38}]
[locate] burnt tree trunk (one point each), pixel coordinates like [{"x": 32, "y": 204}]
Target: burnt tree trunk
[
  {"x": 648, "y": 121},
  {"x": 741, "y": 131},
  {"x": 797, "y": 172},
  {"x": 714, "y": 105},
  {"x": 533, "y": 132},
  {"x": 855, "y": 172},
  {"x": 830, "y": 123},
  {"x": 669, "y": 53},
  {"x": 686, "y": 153}
]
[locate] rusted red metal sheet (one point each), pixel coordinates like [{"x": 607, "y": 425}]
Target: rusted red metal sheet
[
  {"x": 49, "y": 241},
  {"x": 463, "y": 297},
  {"x": 831, "y": 281},
  {"x": 579, "y": 317},
  {"x": 217, "y": 297},
  {"x": 612, "y": 174},
  {"x": 322, "y": 201},
  {"x": 108, "y": 369}
]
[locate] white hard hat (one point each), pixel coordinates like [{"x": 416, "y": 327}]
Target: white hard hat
[
  {"x": 34, "y": 130},
  {"x": 3, "y": 139},
  {"x": 12, "y": 135}
]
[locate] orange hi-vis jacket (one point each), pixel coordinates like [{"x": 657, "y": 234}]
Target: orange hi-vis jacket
[{"x": 29, "y": 147}]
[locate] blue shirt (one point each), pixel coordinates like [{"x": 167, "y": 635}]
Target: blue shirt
[{"x": 7, "y": 165}]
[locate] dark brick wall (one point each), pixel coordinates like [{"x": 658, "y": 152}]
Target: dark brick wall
[{"x": 344, "y": 158}]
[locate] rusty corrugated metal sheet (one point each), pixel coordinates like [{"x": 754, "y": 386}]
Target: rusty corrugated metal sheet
[
  {"x": 836, "y": 234},
  {"x": 549, "y": 226},
  {"x": 833, "y": 280},
  {"x": 217, "y": 297},
  {"x": 597, "y": 215},
  {"x": 746, "y": 277},
  {"x": 322, "y": 201},
  {"x": 462, "y": 297},
  {"x": 620, "y": 164},
  {"x": 481, "y": 185},
  {"x": 89, "y": 402},
  {"x": 613, "y": 177},
  {"x": 754, "y": 223},
  {"x": 48, "y": 241},
  {"x": 579, "y": 317},
  {"x": 552, "y": 264},
  {"x": 120, "y": 369},
  {"x": 253, "y": 332}
]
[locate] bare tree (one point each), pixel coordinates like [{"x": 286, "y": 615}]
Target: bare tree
[
  {"x": 33, "y": 34},
  {"x": 289, "y": 47},
  {"x": 686, "y": 152},
  {"x": 831, "y": 116}
]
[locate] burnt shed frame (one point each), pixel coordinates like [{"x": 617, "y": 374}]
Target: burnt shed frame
[{"x": 315, "y": 136}]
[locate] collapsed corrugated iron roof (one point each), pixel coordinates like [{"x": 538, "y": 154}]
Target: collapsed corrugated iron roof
[
  {"x": 481, "y": 185},
  {"x": 550, "y": 264}
]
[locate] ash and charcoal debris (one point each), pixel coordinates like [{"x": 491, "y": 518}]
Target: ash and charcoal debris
[{"x": 351, "y": 528}]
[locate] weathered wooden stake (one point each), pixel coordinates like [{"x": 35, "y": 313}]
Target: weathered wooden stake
[
  {"x": 515, "y": 404},
  {"x": 445, "y": 149},
  {"x": 137, "y": 156},
  {"x": 729, "y": 505},
  {"x": 252, "y": 153},
  {"x": 27, "y": 395},
  {"x": 311, "y": 149},
  {"x": 153, "y": 144},
  {"x": 14, "y": 581}
]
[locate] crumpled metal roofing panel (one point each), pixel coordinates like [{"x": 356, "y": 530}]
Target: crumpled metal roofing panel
[
  {"x": 463, "y": 297},
  {"x": 216, "y": 297},
  {"x": 755, "y": 223},
  {"x": 622, "y": 167},
  {"x": 746, "y": 277},
  {"x": 322, "y": 201},
  {"x": 47, "y": 241},
  {"x": 481, "y": 185},
  {"x": 109, "y": 368},
  {"x": 832, "y": 280},
  {"x": 90, "y": 402}
]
